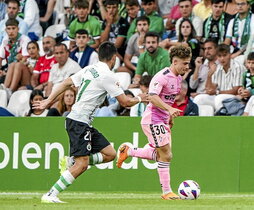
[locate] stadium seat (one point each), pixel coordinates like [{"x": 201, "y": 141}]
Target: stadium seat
[
  {"x": 3, "y": 98},
  {"x": 19, "y": 103},
  {"x": 55, "y": 30},
  {"x": 41, "y": 48},
  {"x": 124, "y": 78}
]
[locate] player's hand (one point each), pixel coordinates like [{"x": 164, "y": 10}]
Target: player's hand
[
  {"x": 174, "y": 112},
  {"x": 41, "y": 104},
  {"x": 144, "y": 97}
]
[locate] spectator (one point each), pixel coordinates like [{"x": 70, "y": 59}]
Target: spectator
[
  {"x": 138, "y": 109},
  {"x": 30, "y": 12},
  {"x": 240, "y": 28},
  {"x": 39, "y": 79},
  {"x": 64, "y": 67},
  {"x": 85, "y": 21},
  {"x": 36, "y": 95},
  {"x": 156, "y": 21},
  {"x": 198, "y": 78},
  {"x": 152, "y": 60},
  {"x": 13, "y": 49},
  {"x": 135, "y": 46},
  {"x": 215, "y": 26},
  {"x": 184, "y": 103},
  {"x": 133, "y": 10},
  {"x": 230, "y": 7},
  {"x": 3, "y": 8},
  {"x": 203, "y": 9},
  {"x": 64, "y": 104},
  {"x": 222, "y": 82},
  {"x": 84, "y": 55},
  {"x": 165, "y": 7},
  {"x": 249, "y": 108},
  {"x": 12, "y": 12},
  {"x": 114, "y": 27},
  {"x": 185, "y": 7},
  {"x": 19, "y": 77},
  {"x": 247, "y": 89}
]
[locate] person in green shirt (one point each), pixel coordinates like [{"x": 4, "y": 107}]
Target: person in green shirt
[
  {"x": 152, "y": 60},
  {"x": 85, "y": 21}
]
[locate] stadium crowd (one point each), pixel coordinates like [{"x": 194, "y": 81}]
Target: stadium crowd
[{"x": 42, "y": 42}]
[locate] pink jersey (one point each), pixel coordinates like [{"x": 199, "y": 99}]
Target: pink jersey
[{"x": 166, "y": 85}]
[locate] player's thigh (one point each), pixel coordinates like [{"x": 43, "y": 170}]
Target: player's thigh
[
  {"x": 158, "y": 134},
  {"x": 80, "y": 138},
  {"x": 99, "y": 142}
]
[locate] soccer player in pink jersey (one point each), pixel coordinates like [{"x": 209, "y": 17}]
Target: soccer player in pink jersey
[{"x": 158, "y": 118}]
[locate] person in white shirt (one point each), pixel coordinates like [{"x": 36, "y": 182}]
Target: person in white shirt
[
  {"x": 61, "y": 70},
  {"x": 87, "y": 145}
]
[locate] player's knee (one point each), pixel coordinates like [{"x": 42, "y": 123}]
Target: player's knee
[
  {"x": 112, "y": 155},
  {"x": 168, "y": 157}
]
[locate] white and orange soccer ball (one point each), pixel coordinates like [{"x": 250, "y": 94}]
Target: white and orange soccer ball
[{"x": 189, "y": 190}]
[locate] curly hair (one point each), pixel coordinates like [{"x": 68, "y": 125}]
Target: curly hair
[{"x": 180, "y": 51}]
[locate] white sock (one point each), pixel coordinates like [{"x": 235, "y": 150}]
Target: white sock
[{"x": 95, "y": 158}]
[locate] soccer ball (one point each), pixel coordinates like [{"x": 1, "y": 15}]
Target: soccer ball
[{"x": 189, "y": 190}]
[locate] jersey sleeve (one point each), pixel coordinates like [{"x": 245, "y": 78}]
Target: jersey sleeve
[
  {"x": 112, "y": 86},
  {"x": 156, "y": 85}
]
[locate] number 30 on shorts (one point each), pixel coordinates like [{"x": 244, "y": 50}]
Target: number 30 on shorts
[{"x": 158, "y": 129}]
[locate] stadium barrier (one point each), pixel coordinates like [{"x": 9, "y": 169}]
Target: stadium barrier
[{"x": 217, "y": 152}]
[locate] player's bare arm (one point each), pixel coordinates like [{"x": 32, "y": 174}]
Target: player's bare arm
[
  {"x": 128, "y": 102},
  {"x": 156, "y": 100},
  {"x": 56, "y": 92}
]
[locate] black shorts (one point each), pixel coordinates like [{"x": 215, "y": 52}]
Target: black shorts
[{"x": 84, "y": 139}]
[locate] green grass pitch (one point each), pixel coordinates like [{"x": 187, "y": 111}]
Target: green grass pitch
[{"x": 123, "y": 200}]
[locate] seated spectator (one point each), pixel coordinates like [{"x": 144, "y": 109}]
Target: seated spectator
[
  {"x": 39, "y": 79},
  {"x": 85, "y": 21},
  {"x": 152, "y": 60},
  {"x": 198, "y": 78},
  {"x": 240, "y": 28},
  {"x": 135, "y": 46},
  {"x": 64, "y": 67},
  {"x": 222, "y": 82},
  {"x": 12, "y": 12},
  {"x": 185, "y": 7},
  {"x": 64, "y": 104},
  {"x": 215, "y": 26},
  {"x": 203, "y": 9},
  {"x": 184, "y": 103},
  {"x": 36, "y": 95},
  {"x": 230, "y": 7},
  {"x": 247, "y": 90},
  {"x": 13, "y": 48},
  {"x": 249, "y": 108},
  {"x": 30, "y": 13},
  {"x": 3, "y": 8},
  {"x": 114, "y": 27},
  {"x": 115, "y": 109},
  {"x": 156, "y": 21},
  {"x": 84, "y": 55},
  {"x": 19, "y": 77}
]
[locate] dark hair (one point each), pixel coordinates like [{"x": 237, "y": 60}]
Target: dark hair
[
  {"x": 12, "y": 22},
  {"x": 152, "y": 34},
  {"x": 128, "y": 92},
  {"x": 147, "y": 1},
  {"x": 192, "y": 34},
  {"x": 142, "y": 18},
  {"x": 223, "y": 48},
  {"x": 13, "y": 1},
  {"x": 106, "y": 51},
  {"x": 34, "y": 93},
  {"x": 250, "y": 56},
  {"x": 145, "y": 80},
  {"x": 212, "y": 41},
  {"x": 131, "y": 3},
  {"x": 81, "y": 4},
  {"x": 183, "y": 1},
  {"x": 61, "y": 44},
  {"x": 218, "y": 1},
  {"x": 180, "y": 51},
  {"x": 33, "y": 42},
  {"x": 82, "y": 31},
  {"x": 111, "y": 2}
]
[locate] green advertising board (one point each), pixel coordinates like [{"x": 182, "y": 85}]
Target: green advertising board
[{"x": 216, "y": 152}]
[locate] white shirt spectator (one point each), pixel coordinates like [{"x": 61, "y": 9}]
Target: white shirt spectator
[{"x": 249, "y": 109}]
